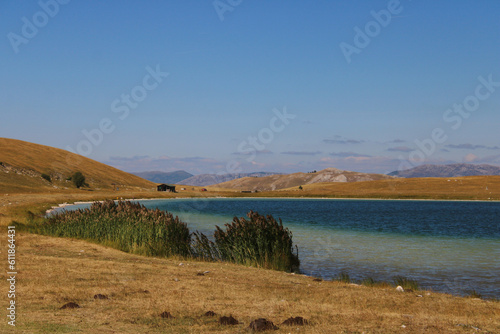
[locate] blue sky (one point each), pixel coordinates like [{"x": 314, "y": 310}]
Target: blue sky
[{"x": 225, "y": 86}]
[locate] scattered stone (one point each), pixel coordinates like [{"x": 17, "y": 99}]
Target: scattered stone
[
  {"x": 210, "y": 314},
  {"x": 206, "y": 272},
  {"x": 181, "y": 264},
  {"x": 228, "y": 320},
  {"x": 295, "y": 321},
  {"x": 70, "y": 305},
  {"x": 99, "y": 296},
  {"x": 166, "y": 315},
  {"x": 176, "y": 279},
  {"x": 317, "y": 280},
  {"x": 419, "y": 296},
  {"x": 400, "y": 288},
  {"x": 262, "y": 324}
]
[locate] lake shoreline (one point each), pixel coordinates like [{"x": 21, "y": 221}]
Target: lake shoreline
[{"x": 402, "y": 242}]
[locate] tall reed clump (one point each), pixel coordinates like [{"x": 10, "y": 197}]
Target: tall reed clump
[
  {"x": 124, "y": 225},
  {"x": 260, "y": 241}
]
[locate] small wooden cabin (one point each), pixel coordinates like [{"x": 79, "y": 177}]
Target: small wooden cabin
[{"x": 166, "y": 187}]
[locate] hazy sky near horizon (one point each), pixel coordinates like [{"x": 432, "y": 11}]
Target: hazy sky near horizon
[{"x": 230, "y": 85}]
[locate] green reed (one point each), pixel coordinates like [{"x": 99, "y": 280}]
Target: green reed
[
  {"x": 260, "y": 241},
  {"x": 124, "y": 225}
]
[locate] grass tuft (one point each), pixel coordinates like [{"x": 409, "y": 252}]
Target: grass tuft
[
  {"x": 406, "y": 283},
  {"x": 344, "y": 277}
]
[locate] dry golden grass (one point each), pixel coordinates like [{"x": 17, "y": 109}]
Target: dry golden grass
[
  {"x": 53, "y": 272},
  {"x": 33, "y": 159},
  {"x": 465, "y": 188}
]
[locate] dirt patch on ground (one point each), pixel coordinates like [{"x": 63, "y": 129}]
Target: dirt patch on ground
[
  {"x": 228, "y": 320},
  {"x": 262, "y": 324},
  {"x": 166, "y": 315},
  {"x": 70, "y": 305},
  {"x": 99, "y": 296},
  {"x": 210, "y": 314},
  {"x": 295, "y": 321}
]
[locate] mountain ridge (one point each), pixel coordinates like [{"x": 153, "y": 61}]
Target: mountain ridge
[
  {"x": 277, "y": 182},
  {"x": 450, "y": 170},
  {"x": 211, "y": 179},
  {"x": 164, "y": 177}
]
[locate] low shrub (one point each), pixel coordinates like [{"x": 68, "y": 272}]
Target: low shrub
[{"x": 46, "y": 177}]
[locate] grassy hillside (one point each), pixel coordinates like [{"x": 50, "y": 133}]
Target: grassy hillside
[
  {"x": 276, "y": 182},
  {"x": 23, "y": 163},
  {"x": 467, "y": 188}
]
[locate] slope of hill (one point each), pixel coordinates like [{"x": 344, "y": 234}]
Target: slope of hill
[
  {"x": 165, "y": 177},
  {"x": 452, "y": 170},
  {"x": 210, "y": 179},
  {"x": 22, "y": 165},
  {"x": 276, "y": 182},
  {"x": 459, "y": 188}
]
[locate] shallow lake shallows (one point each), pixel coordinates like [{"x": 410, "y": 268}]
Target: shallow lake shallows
[{"x": 449, "y": 246}]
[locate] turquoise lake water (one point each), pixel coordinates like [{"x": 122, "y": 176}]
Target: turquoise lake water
[{"x": 446, "y": 246}]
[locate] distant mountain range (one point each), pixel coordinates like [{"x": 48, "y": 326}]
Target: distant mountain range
[
  {"x": 210, "y": 179},
  {"x": 453, "y": 170},
  {"x": 276, "y": 182},
  {"x": 165, "y": 177}
]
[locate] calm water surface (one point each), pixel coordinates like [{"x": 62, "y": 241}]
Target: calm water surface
[{"x": 446, "y": 246}]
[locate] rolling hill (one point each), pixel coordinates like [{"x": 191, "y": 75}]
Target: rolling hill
[
  {"x": 463, "y": 188},
  {"x": 452, "y": 170},
  {"x": 165, "y": 177},
  {"x": 276, "y": 182},
  {"x": 211, "y": 179},
  {"x": 22, "y": 165}
]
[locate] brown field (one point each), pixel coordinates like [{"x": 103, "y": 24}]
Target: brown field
[
  {"x": 457, "y": 188},
  {"x": 53, "y": 272}
]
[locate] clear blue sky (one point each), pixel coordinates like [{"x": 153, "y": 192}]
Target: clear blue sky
[{"x": 364, "y": 85}]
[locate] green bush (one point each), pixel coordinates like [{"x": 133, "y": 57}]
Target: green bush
[
  {"x": 46, "y": 177},
  {"x": 79, "y": 180}
]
